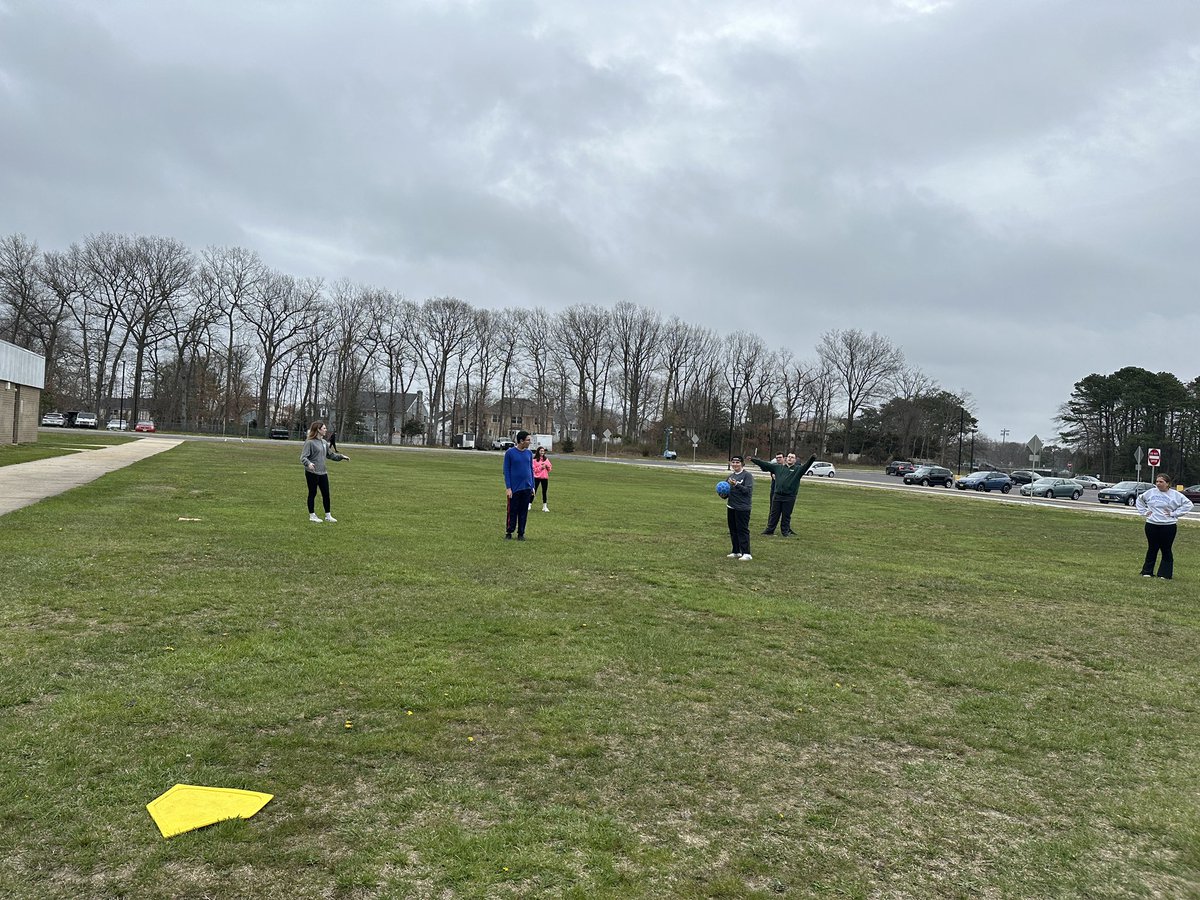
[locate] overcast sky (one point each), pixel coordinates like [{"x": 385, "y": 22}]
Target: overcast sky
[{"x": 1007, "y": 190}]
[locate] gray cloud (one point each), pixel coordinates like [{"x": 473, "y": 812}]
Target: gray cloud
[{"x": 1003, "y": 189}]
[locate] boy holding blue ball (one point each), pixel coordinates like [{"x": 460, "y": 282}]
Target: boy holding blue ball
[{"x": 741, "y": 493}]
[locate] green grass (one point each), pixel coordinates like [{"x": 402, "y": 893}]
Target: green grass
[
  {"x": 921, "y": 697},
  {"x": 51, "y": 445}
]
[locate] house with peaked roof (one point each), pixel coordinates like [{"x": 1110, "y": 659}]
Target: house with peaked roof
[{"x": 406, "y": 408}]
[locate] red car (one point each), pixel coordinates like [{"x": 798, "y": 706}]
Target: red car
[{"x": 144, "y": 425}]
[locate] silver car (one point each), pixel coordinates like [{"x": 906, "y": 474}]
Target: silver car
[{"x": 1050, "y": 488}]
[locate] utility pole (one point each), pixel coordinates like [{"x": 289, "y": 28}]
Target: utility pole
[{"x": 1003, "y": 434}]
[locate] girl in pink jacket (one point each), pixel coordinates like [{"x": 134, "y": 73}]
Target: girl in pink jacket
[{"x": 541, "y": 474}]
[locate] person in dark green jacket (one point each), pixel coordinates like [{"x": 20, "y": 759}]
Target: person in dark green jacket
[{"x": 787, "y": 477}]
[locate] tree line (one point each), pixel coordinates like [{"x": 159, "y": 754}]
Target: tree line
[
  {"x": 1108, "y": 417},
  {"x": 214, "y": 338}
]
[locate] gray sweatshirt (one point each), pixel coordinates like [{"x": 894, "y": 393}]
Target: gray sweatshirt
[
  {"x": 316, "y": 451},
  {"x": 741, "y": 490}
]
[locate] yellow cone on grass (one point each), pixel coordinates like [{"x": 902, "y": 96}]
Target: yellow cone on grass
[{"x": 187, "y": 807}]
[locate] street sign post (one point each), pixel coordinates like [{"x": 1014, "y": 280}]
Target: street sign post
[
  {"x": 1035, "y": 447},
  {"x": 1153, "y": 457},
  {"x": 607, "y": 438},
  {"x": 1137, "y": 459},
  {"x": 695, "y": 444}
]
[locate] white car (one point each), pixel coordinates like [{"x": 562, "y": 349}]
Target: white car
[
  {"x": 85, "y": 420},
  {"x": 821, "y": 469},
  {"x": 117, "y": 425},
  {"x": 56, "y": 419}
]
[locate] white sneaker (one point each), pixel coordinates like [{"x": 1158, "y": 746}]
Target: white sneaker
[
  {"x": 746, "y": 557},
  {"x": 545, "y": 508},
  {"x": 329, "y": 518},
  {"x": 312, "y": 517},
  {"x": 733, "y": 556},
  {"x": 531, "y": 504}
]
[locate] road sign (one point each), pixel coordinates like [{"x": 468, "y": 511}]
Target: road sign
[
  {"x": 1153, "y": 456},
  {"x": 1137, "y": 455},
  {"x": 1034, "y": 444},
  {"x": 695, "y": 440}
]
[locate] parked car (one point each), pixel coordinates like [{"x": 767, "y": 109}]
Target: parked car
[
  {"x": 86, "y": 420},
  {"x": 669, "y": 454},
  {"x": 1052, "y": 488},
  {"x": 117, "y": 425},
  {"x": 929, "y": 475},
  {"x": 985, "y": 481},
  {"x": 1090, "y": 482},
  {"x": 55, "y": 420},
  {"x": 502, "y": 444},
  {"x": 278, "y": 433},
  {"x": 144, "y": 425},
  {"x": 898, "y": 467},
  {"x": 821, "y": 469},
  {"x": 1024, "y": 476},
  {"x": 1192, "y": 493},
  {"x": 1123, "y": 492}
]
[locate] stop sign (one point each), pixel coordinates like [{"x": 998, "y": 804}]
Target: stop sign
[{"x": 1153, "y": 456}]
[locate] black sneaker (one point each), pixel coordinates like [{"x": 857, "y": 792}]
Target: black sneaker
[
  {"x": 508, "y": 535},
  {"x": 520, "y": 537},
  {"x": 768, "y": 532}
]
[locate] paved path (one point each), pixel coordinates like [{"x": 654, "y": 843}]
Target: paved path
[{"x": 24, "y": 484}]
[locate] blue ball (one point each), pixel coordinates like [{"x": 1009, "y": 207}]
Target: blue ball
[{"x": 722, "y": 488}]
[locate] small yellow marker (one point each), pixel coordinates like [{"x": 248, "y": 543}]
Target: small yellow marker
[
  {"x": 349, "y": 724},
  {"x": 186, "y": 807}
]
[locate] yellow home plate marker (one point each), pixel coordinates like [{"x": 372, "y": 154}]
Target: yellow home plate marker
[{"x": 186, "y": 807}]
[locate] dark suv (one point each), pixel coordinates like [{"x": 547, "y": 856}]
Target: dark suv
[
  {"x": 927, "y": 475},
  {"x": 898, "y": 467},
  {"x": 1124, "y": 492}
]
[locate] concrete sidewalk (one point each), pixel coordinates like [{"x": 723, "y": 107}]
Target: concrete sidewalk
[{"x": 26, "y": 483}]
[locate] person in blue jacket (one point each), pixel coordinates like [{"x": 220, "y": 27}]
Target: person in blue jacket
[{"x": 518, "y": 485}]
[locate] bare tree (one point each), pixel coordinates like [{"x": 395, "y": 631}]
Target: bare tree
[
  {"x": 581, "y": 338},
  {"x": 20, "y": 286},
  {"x": 396, "y": 327},
  {"x": 864, "y": 365},
  {"x": 159, "y": 275},
  {"x": 190, "y": 333},
  {"x": 67, "y": 279},
  {"x": 534, "y": 354},
  {"x": 741, "y": 357},
  {"x": 355, "y": 314},
  {"x": 444, "y": 325},
  {"x": 101, "y": 315},
  {"x": 281, "y": 312},
  {"x": 636, "y": 333},
  {"x": 227, "y": 277}
]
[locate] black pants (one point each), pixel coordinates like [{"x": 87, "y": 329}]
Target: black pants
[
  {"x": 781, "y": 509},
  {"x": 317, "y": 481},
  {"x": 544, "y": 482},
  {"x": 739, "y": 529},
  {"x": 518, "y": 511},
  {"x": 1160, "y": 538}
]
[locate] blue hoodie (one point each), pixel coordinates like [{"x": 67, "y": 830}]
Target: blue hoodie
[{"x": 518, "y": 469}]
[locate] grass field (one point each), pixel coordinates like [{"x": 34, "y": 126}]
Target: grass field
[
  {"x": 920, "y": 697},
  {"x": 58, "y": 444}
]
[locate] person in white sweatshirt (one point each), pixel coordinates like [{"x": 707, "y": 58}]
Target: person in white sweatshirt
[{"x": 1162, "y": 506}]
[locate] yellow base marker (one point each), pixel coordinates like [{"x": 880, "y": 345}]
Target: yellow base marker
[{"x": 187, "y": 807}]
